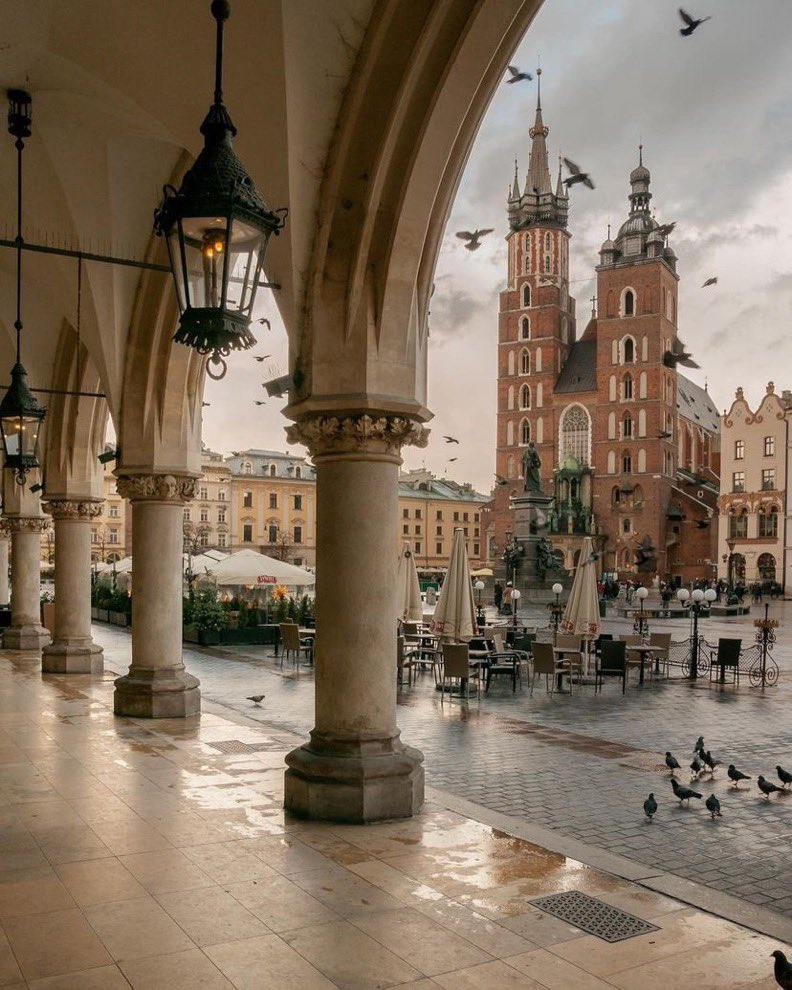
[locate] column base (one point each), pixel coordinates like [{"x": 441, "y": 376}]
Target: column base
[
  {"x": 65, "y": 657},
  {"x": 354, "y": 781},
  {"x": 31, "y": 637},
  {"x": 162, "y": 693}
]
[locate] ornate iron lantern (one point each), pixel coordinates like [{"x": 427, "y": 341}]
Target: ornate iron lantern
[
  {"x": 216, "y": 226},
  {"x": 20, "y": 415}
]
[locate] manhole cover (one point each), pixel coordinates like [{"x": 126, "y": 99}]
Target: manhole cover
[
  {"x": 593, "y": 916},
  {"x": 237, "y": 746}
]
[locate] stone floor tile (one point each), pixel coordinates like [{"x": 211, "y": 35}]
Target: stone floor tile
[
  {"x": 555, "y": 973},
  {"x": 478, "y": 930},
  {"x": 488, "y": 976},
  {"x": 228, "y": 862},
  {"x": 98, "y": 881},
  {"x": 266, "y": 963},
  {"x": 103, "y": 978},
  {"x": 124, "y": 836},
  {"x": 286, "y": 854},
  {"x": 34, "y": 896},
  {"x": 186, "y": 970},
  {"x": 136, "y": 928},
  {"x": 280, "y": 904},
  {"x": 344, "y": 892},
  {"x": 9, "y": 971},
  {"x": 55, "y": 943},
  {"x": 164, "y": 870},
  {"x": 209, "y": 915}
]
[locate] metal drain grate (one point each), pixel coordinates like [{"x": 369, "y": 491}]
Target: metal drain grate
[
  {"x": 593, "y": 916},
  {"x": 230, "y": 746}
]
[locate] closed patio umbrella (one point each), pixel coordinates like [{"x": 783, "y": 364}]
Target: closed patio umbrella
[
  {"x": 409, "y": 594},
  {"x": 455, "y": 615},
  {"x": 581, "y": 617}
]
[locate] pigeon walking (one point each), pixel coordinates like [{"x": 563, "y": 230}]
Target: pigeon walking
[
  {"x": 782, "y": 970},
  {"x": 577, "y": 175},
  {"x": 710, "y": 761},
  {"x": 784, "y": 776},
  {"x": 473, "y": 238},
  {"x": 696, "y": 766},
  {"x": 699, "y": 747},
  {"x": 256, "y": 698},
  {"x": 735, "y": 775},
  {"x": 713, "y": 806},
  {"x": 672, "y": 763},
  {"x": 650, "y": 807},
  {"x": 767, "y": 787},
  {"x": 691, "y": 23},
  {"x": 517, "y": 75},
  {"x": 684, "y": 793}
]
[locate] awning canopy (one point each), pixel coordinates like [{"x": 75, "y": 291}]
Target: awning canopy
[{"x": 249, "y": 567}]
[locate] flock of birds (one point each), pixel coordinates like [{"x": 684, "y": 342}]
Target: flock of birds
[{"x": 705, "y": 764}]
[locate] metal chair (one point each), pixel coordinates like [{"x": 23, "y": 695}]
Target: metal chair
[
  {"x": 633, "y": 657},
  {"x": 612, "y": 662},
  {"x": 727, "y": 656},
  {"x": 661, "y": 648},
  {"x": 544, "y": 662},
  {"x": 291, "y": 642},
  {"x": 456, "y": 666}
]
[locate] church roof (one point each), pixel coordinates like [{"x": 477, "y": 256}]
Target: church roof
[
  {"x": 579, "y": 373},
  {"x": 695, "y": 404}
]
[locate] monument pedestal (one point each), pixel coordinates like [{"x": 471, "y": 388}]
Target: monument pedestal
[{"x": 531, "y": 527}]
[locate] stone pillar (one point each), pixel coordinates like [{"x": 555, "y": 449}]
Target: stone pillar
[
  {"x": 157, "y": 685},
  {"x": 72, "y": 650},
  {"x": 26, "y": 631},
  {"x": 355, "y": 768},
  {"x": 4, "y": 592}
]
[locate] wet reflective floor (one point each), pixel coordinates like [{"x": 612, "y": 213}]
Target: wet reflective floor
[{"x": 154, "y": 854}]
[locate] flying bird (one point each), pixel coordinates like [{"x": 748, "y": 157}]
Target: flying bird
[
  {"x": 710, "y": 281},
  {"x": 665, "y": 435},
  {"x": 782, "y": 970},
  {"x": 452, "y": 459},
  {"x": 713, "y": 806},
  {"x": 262, "y": 358},
  {"x": 678, "y": 355},
  {"x": 735, "y": 775},
  {"x": 691, "y": 23},
  {"x": 500, "y": 481},
  {"x": 577, "y": 175},
  {"x": 260, "y": 402},
  {"x": 784, "y": 776},
  {"x": 672, "y": 763},
  {"x": 256, "y": 698},
  {"x": 684, "y": 793},
  {"x": 473, "y": 238},
  {"x": 517, "y": 75},
  {"x": 265, "y": 322},
  {"x": 205, "y": 404},
  {"x": 665, "y": 228},
  {"x": 702, "y": 523},
  {"x": 450, "y": 439},
  {"x": 650, "y": 807},
  {"x": 767, "y": 787}
]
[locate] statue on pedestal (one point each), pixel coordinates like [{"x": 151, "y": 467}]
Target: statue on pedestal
[
  {"x": 531, "y": 467},
  {"x": 546, "y": 560}
]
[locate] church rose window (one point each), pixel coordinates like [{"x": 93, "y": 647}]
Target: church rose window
[{"x": 575, "y": 433}]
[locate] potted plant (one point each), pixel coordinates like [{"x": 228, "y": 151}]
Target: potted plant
[
  {"x": 47, "y": 600},
  {"x": 209, "y": 616}
]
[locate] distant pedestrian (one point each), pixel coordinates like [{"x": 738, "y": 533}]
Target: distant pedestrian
[
  {"x": 498, "y": 595},
  {"x": 507, "y": 599}
]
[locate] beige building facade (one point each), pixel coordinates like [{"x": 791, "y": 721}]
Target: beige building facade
[
  {"x": 755, "y": 464},
  {"x": 430, "y": 509}
]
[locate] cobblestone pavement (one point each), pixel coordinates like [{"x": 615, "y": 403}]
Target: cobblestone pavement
[{"x": 583, "y": 764}]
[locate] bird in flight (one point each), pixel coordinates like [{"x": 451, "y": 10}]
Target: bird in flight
[
  {"x": 263, "y": 357},
  {"x": 500, "y": 481},
  {"x": 256, "y": 698},
  {"x": 678, "y": 355},
  {"x": 577, "y": 175},
  {"x": 665, "y": 435},
  {"x": 710, "y": 281},
  {"x": 260, "y": 402},
  {"x": 265, "y": 321},
  {"x": 518, "y": 75},
  {"x": 205, "y": 404},
  {"x": 473, "y": 238},
  {"x": 450, "y": 439},
  {"x": 665, "y": 228},
  {"x": 452, "y": 459},
  {"x": 691, "y": 23}
]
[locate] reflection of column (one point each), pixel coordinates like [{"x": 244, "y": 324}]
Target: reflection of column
[
  {"x": 72, "y": 650},
  {"x": 4, "y": 594},
  {"x": 26, "y": 631},
  {"x": 355, "y": 768},
  {"x": 157, "y": 685}
]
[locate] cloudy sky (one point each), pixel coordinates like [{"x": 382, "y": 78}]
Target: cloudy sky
[{"x": 714, "y": 112}]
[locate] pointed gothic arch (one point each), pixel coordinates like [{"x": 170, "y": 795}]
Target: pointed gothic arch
[
  {"x": 525, "y": 361},
  {"x": 525, "y": 397},
  {"x": 526, "y": 295},
  {"x": 574, "y": 434},
  {"x": 525, "y": 432},
  {"x": 525, "y": 324}
]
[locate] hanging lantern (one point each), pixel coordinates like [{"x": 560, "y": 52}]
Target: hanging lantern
[{"x": 216, "y": 227}]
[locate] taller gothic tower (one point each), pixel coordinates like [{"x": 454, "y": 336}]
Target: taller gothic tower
[{"x": 536, "y": 322}]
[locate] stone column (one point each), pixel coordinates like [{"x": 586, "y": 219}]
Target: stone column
[
  {"x": 72, "y": 650},
  {"x": 26, "y": 631},
  {"x": 157, "y": 685},
  {"x": 4, "y": 588},
  {"x": 355, "y": 768}
]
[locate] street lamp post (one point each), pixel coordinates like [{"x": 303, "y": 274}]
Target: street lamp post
[
  {"x": 700, "y": 602},
  {"x": 516, "y": 595},
  {"x": 481, "y": 619},
  {"x": 642, "y": 621},
  {"x": 556, "y": 608}
]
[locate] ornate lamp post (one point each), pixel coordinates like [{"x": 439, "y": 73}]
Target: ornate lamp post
[
  {"x": 516, "y": 595},
  {"x": 700, "y": 602},
  {"x": 556, "y": 608},
  {"x": 216, "y": 227},
  {"x": 481, "y": 619},
  {"x": 642, "y": 623}
]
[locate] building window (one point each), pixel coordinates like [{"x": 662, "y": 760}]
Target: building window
[
  {"x": 629, "y": 350},
  {"x": 439, "y": 548},
  {"x": 186, "y": 515},
  {"x": 476, "y": 549},
  {"x": 546, "y": 265},
  {"x": 626, "y": 526},
  {"x": 616, "y": 495},
  {"x": 203, "y": 540},
  {"x": 739, "y": 450},
  {"x": 221, "y": 539},
  {"x": 525, "y": 432},
  {"x": 575, "y": 435},
  {"x": 439, "y": 514},
  {"x": 464, "y": 517},
  {"x": 298, "y": 472},
  {"x": 247, "y": 467},
  {"x": 548, "y": 242},
  {"x": 738, "y": 525},
  {"x": 418, "y": 546},
  {"x": 298, "y": 502},
  {"x": 768, "y": 479},
  {"x": 417, "y": 529},
  {"x": 406, "y": 529},
  {"x": 247, "y": 533},
  {"x": 221, "y": 495},
  {"x": 526, "y": 295},
  {"x": 769, "y": 446},
  {"x": 438, "y": 531},
  {"x": 418, "y": 514},
  {"x": 456, "y": 517},
  {"x": 476, "y": 517},
  {"x": 221, "y": 515},
  {"x": 738, "y": 481},
  {"x": 405, "y": 513},
  {"x": 627, "y": 386},
  {"x": 272, "y": 470},
  {"x": 525, "y": 362},
  {"x": 203, "y": 494},
  {"x": 626, "y": 464},
  {"x": 272, "y": 533},
  {"x": 113, "y": 512},
  {"x": 273, "y": 500},
  {"x": 94, "y": 536},
  {"x": 247, "y": 500},
  {"x": 627, "y": 426},
  {"x": 629, "y": 303},
  {"x": 298, "y": 534},
  {"x": 204, "y": 515},
  {"x": 525, "y": 328},
  {"x": 768, "y": 523},
  {"x": 113, "y": 536},
  {"x": 525, "y": 397}
]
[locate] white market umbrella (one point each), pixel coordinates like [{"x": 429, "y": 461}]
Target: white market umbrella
[
  {"x": 250, "y": 567},
  {"x": 581, "y": 617},
  {"x": 455, "y": 615},
  {"x": 409, "y": 604},
  {"x": 121, "y": 567}
]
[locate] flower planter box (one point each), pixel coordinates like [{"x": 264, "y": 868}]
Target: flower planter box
[
  {"x": 48, "y": 615},
  {"x": 191, "y": 634},
  {"x": 209, "y": 637},
  {"x": 245, "y": 636},
  {"x": 119, "y": 618},
  {"x": 102, "y": 615},
  {"x": 94, "y": 613}
]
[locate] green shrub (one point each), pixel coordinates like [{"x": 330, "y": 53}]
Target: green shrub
[
  {"x": 291, "y": 610},
  {"x": 188, "y": 607},
  {"x": 208, "y": 614}
]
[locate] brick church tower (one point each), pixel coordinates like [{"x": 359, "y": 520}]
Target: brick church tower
[{"x": 536, "y": 323}]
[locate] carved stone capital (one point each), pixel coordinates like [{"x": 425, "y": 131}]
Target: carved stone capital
[
  {"x": 385, "y": 434},
  {"x": 61, "y": 508},
  {"x": 27, "y": 524},
  {"x": 157, "y": 487}
]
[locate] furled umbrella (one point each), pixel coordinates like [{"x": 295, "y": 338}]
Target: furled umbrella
[
  {"x": 409, "y": 596},
  {"x": 455, "y": 615},
  {"x": 581, "y": 617}
]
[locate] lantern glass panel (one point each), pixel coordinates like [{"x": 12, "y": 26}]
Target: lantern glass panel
[
  {"x": 205, "y": 248},
  {"x": 246, "y": 255},
  {"x": 20, "y": 435}
]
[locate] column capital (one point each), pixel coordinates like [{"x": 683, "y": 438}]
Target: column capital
[
  {"x": 157, "y": 487},
  {"x": 26, "y": 524},
  {"x": 375, "y": 434},
  {"x": 67, "y": 508}
]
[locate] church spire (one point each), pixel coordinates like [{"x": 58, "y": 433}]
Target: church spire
[
  {"x": 515, "y": 194},
  {"x": 538, "y": 182},
  {"x": 560, "y": 188}
]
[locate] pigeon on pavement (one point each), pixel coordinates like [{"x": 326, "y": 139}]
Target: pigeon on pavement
[
  {"x": 650, "y": 807},
  {"x": 696, "y": 766},
  {"x": 736, "y": 775},
  {"x": 767, "y": 787},
  {"x": 672, "y": 763},
  {"x": 699, "y": 745},
  {"x": 711, "y": 763},
  {"x": 782, "y": 970},
  {"x": 784, "y": 776},
  {"x": 713, "y": 806},
  {"x": 684, "y": 793},
  {"x": 257, "y": 698}
]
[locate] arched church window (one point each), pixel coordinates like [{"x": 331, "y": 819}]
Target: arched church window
[
  {"x": 510, "y": 467},
  {"x": 642, "y": 385},
  {"x": 546, "y": 266},
  {"x": 575, "y": 435},
  {"x": 525, "y": 362},
  {"x": 641, "y": 422},
  {"x": 627, "y": 426},
  {"x": 627, "y": 386},
  {"x": 539, "y": 431},
  {"x": 628, "y": 348},
  {"x": 616, "y": 495},
  {"x": 525, "y": 432},
  {"x": 612, "y": 387},
  {"x": 611, "y": 426},
  {"x": 641, "y": 461},
  {"x": 626, "y": 463},
  {"x": 526, "y": 295},
  {"x": 525, "y": 397},
  {"x": 548, "y": 241},
  {"x": 611, "y": 462},
  {"x": 525, "y": 326},
  {"x": 629, "y": 303},
  {"x": 538, "y": 395}
]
